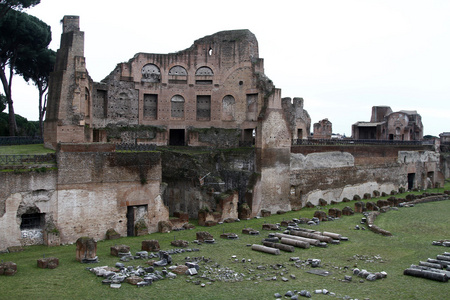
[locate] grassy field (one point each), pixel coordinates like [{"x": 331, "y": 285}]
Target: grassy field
[
  {"x": 413, "y": 231},
  {"x": 25, "y": 149}
]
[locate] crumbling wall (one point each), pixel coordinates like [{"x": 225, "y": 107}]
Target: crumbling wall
[
  {"x": 273, "y": 143},
  {"x": 95, "y": 189},
  {"x": 321, "y": 172},
  {"x": 24, "y": 193},
  {"x": 199, "y": 178}
]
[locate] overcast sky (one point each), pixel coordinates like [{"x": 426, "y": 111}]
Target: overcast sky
[{"x": 341, "y": 56}]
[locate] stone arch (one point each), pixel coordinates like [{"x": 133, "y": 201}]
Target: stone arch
[
  {"x": 178, "y": 71},
  {"x": 151, "y": 73},
  {"x": 228, "y": 108},
  {"x": 177, "y": 107},
  {"x": 204, "y": 71}
]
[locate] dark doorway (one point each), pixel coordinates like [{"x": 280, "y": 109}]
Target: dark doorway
[
  {"x": 130, "y": 220},
  {"x": 411, "y": 180},
  {"x": 249, "y": 136},
  {"x": 32, "y": 221},
  {"x": 299, "y": 134},
  {"x": 176, "y": 137}
]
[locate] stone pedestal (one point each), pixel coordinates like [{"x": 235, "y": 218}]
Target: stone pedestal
[
  {"x": 265, "y": 213},
  {"x": 360, "y": 207},
  {"x": 165, "y": 226},
  {"x": 51, "y": 239},
  {"x": 48, "y": 263},
  {"x": 8, "y": 268},
  {"x": 181, "y": 215},
  {"x": 245, "y": 212},
  {"x": 115, "y": 250},
  {"x": 347, "y": 211},
  {"x": 86, "y": 250},
  {"x": 321, "y": 215},
  {"x": 150, "y": 245},
  {"x": 111, "y": 234},
  {"x": 204, "y": 235},
  {"x": 335, "y": 212}
]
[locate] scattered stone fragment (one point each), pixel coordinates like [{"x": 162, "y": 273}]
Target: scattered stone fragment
[
  {"x": 8, "y": 268},
  {"x": 150, "y": 245},
  {"x": 305, "y": 293},
  {"x": 289, "y": 294},
  {"x": 179, "y": 243},
  {"x": 48, "y": 262}
]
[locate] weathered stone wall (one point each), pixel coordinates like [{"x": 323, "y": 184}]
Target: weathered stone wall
[
  {"x": 445, "y": 163},
  {"x": 335, "y": 175},
  {"x": 213, "y": 83},
  {"x": 97, "y": 188},
  {"x": 25, "y": 193},
  {"x": 200, "y": 178},
  {"x": 273, "y": 143},
  {"x": 88, "y": 194}
]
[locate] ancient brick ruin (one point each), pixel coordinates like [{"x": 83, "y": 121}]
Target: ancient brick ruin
[
  {"x": 388, "y": 125},
  {"x": 211, "y": 96}
]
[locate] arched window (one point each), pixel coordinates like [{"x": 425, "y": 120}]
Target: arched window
[
  {"x": 151, "y": 73},
  {"x": 203, "y": 75},
  {"x": 177, "y": 71},
  {"x": 204, "y": 71},
  {"x": 177, "y": 107},
  {"x": 228, "y": 106}
]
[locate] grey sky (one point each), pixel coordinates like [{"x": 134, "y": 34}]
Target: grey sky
[{"x": 342, "y": 57}]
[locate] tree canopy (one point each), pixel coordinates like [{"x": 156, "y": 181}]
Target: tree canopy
[
  {"x": 2, "y": 102},
  {"x": 7, "y": 5},
  {"x": 37, "y": 66},
  {"x": 20, "y": 35}
]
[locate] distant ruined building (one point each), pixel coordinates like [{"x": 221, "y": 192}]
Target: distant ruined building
[
  {"x": 323, "y": 129},
  {"x": 388, "y": 125},
  {"x": 214, "y": 97}
]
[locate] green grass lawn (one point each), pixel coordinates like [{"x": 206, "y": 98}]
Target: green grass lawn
[
  {"x": 25, "y": 149},
  {"x": 413, "y": 231}
]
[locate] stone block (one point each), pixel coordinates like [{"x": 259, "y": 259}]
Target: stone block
[
  {"x": 323, "y": 202},
  {"x": 134, "y": 280},
  {"x": 244, "y": 211},
  {"x": 367, "y": 196},
  {"x": 180, "y": 270},
  {"x": 48, "y": 263},
  {"x": 265, "y": 213},
  {"x": 356, "y": 197},
  {"x": 370, "y": 205},
  {"x": 165, "y": 226},
  {"x": 381, "y": 203},
  {"x": 8, "y": 268},
  {"x": 321, "y": 215},
  {"x": 150, "y": 245},
  {"x": 204, "y": 235},
  {"x": 111, "y": 234},
  {"x": 335, "y": 212},
  {"x": 181, "y": 215},
  {"x": 52, "y": 239},
  {"x": 309, "y": 205},
  {"x": 115, "y": 250},
  {"x": 210, "y": 223},
  {"x": 86, "y": 249},
  {"x": 347, "y": 211},
  {"x": 360, "y": 207},
  {"x": 270, "y": 227},
  {"x": 180, "y": 243}
]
